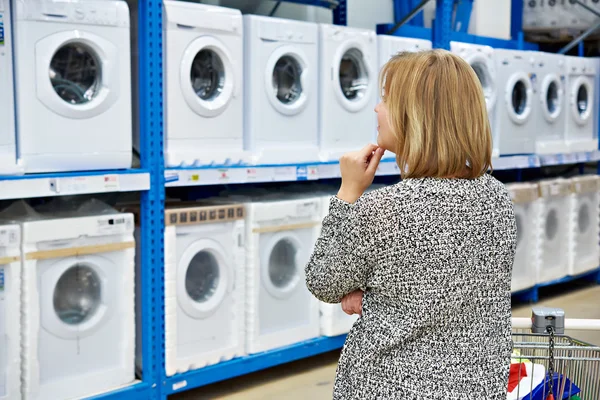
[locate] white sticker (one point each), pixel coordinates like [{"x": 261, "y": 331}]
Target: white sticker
[
  {"x": 306, "y": 209},
  {"x": 179, "y": 385},
  {"x": 8, "y": 237}
]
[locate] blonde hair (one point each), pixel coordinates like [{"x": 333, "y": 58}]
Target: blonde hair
[{"x": 437, "y": 112}]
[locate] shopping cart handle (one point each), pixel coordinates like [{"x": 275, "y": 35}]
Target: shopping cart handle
[{"x": 570, "y": 324}]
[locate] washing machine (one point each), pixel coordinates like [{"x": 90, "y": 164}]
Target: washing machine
[
  {"x": 78, "y": 304},
  {"x": 528, "y": 214},
  {"x": 281, "y": 108},
  {"x": 10, "y": 311},
  {"x": 581, "y": 104},
  {"x": 348, "y": 86},
  {"x": 515, "y": 125},
  {"x": 204, "y": 286},
  {"x": 538, "y": 16},
  {"x": 481, "y": 58},
  {"x": 280, "y": 236},
  {"x": 584, "y": 251},
  {"x": 554, "y": 262},
  {"x": 73, "y": 85},
  {"x": 549, "y": 106},
  {"x": 389, "y": 46},
  {"x": 203, "y": 85},
  {"x": 8, "y": 151}
]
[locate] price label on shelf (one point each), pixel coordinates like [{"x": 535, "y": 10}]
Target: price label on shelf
[
  {"x": 111, "y": 182},
  {"x": 76, "y": 184},
  {"x": 223, "y": 175},
  {"x": 313, "y": 173}
]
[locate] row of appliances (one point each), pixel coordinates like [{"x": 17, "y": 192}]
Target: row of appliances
[
  {"x": 244, "y": 89},
  {"x": 553, "y": 15},
  {"x": 234, "y": 266},
  {"x": 234, "y": 277},
  {"x": 557, "y": 229},
  {"x": 233, "y": 285},
  {"x": 67, "y": 314}
]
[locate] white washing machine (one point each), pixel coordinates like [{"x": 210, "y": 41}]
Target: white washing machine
[
  {"x": 389, "y": 46},
  {"x": 584, "y": 251},
  {"x": 549, "y": 106},
  {"x": 348, "y": 85},
  {"x": 528, "y": 213},
  {"x": 10, "y": 312},
  {"x": 73, "y": 85},
  {"x": 554, "y": 262},
  {"x": 281, "y": 59},
  {"x": 581, "y": 104},
  {"x": 8, "y": 151},
  {"x": 203, "y": 84},
  {"x": 482, "y": 60},
  {"x": 204, "y": 286},
  {"x": 515, "y": 126},
  {"x": 78, "y": 305},
  {"x": 280, "y": 236}
]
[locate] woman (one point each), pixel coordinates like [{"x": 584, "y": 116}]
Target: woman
[{"x": 433, "y": 254}]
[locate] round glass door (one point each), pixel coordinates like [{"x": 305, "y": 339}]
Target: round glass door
[
  {"x": 202, "y": 277},
  {"x": 286, "y": 82},
  {"x": 551, "y": 96},
  {"x": 207, "y": 75},
  {"x": 77, "y": 294},
  {"x": 207, "y": 78},
  {"x": 519, "y": 98},
  {"x": 353, "y": 75},
  {"x": 551, "y": 224},
  {"x": 75, "y": 73},
  {"x": 583, "y": 218},
  {"x": 519, "y": 91},
  {"x": 283, "y": 269},
  {"x": 487, "y": 82},
  {"x": 581, "y": 99}
]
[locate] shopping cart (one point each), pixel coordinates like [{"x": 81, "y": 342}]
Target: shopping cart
[{"x": 547, "y": 364}]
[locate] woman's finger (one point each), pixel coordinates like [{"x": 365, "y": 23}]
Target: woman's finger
[
  {"x": 374, "y": 162},
  {"x": 368, "y": 150}
]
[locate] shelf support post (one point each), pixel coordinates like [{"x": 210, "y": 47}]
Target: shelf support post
[{"x": 150, "y": 98}]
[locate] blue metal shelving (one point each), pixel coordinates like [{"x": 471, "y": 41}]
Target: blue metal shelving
[
  {"x": 155, "y": 383},
  {"x": 152, "y": 202}
]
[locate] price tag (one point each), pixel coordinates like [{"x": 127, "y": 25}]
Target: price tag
[
  {"x": 251, "y": 174},
  {"x": 313, "y": 173},
  {"x": 223, "y": 175},
  {"x": 111, "y": 182},
  {"x": 77, "y": 184}
]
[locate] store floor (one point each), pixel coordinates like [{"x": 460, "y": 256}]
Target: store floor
[{"x": 313, "y": 378}]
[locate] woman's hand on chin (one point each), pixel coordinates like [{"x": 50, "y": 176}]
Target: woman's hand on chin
[{"x": 358, "y": 170}]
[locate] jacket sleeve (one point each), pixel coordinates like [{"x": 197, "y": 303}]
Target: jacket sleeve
[{"x": 340, "y": 263}]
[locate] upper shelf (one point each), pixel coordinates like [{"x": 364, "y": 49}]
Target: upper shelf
[
  {"x": 61, "y": 184},
  {"x": 202, "y": 176}
]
